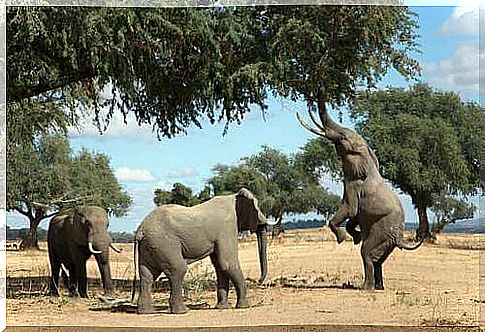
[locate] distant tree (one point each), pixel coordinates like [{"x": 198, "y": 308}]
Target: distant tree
[
  {"x": 448, "y": 210},
  {"x": 44, "y": 177},
  {"x": 180, "y": 194},
  {"x": 204, "y": 195},
  {"x": 428, "y": 142}
]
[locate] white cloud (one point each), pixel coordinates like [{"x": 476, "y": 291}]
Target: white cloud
[
  {"x": 464, "y": 20},
  {"x": 135, "y": 175},
  {"x": 186, "y": 172},
  {"x": 460, "y": 72},
  {"x": 117, "y": 128}
]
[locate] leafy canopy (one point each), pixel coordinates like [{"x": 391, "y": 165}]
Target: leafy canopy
[{"x": 172, "y": 67}]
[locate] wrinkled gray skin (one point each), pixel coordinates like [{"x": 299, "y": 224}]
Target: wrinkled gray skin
[
  {"x": 172, "y": 236},
  {"x": 367, "y": 200},
  {"x": 68, "y": 238}
]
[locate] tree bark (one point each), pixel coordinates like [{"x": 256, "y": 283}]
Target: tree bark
[
  {"x": 423, "y": 230},
  {"x": 30, "y": 240},
  {"x": 278, "y": 227}
]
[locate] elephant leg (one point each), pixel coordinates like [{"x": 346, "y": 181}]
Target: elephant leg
[
  {"x": 54, "y": 282},
  {"x": 365, "y": 252},
  {"x": 222, "y": 284},
  {"x": 73, "y": 291},
  {"x": 378, "y": 276},
  {"x": 341, "y": 215},
  {"x": 147, "y": 277},
  {"x": 175, "y": 274},
  {"x": 82, "y": 281},
  {"x": 226, "y": 255},
  {"x": 350, "y": 228}
]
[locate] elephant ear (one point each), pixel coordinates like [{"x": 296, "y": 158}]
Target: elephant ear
[{"x": 247, "y": 211}]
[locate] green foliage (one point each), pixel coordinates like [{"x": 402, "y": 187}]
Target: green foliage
[
  {"x": 180, "y": 194},
  {"x": 448, "y": 210},
  {"x": 428, "y": 142},
  {"x": 278, "y": 182},
  {"x": 44, "y": 178},
  {"x": 173, "y": 66}
]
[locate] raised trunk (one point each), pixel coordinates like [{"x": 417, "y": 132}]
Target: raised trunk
[
  {"x": 263, "y": 261},
  {"x": 30, "y": 241},
  {"x": 331, "y": 128}
]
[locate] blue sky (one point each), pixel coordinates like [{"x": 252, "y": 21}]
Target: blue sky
[{"x": 449, "y": 44}]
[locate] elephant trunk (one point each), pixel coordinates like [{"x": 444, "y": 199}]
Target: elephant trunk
[
  {"x": 332, "y": 130},
  {"x": 105, "y": 270},
  {"x": 263, "y": 261}
]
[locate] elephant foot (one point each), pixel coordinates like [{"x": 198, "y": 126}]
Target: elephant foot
[
  {"x": 179, "y": 309},
  {"x": 341, "y": 235},
  {"x": 242, "y": 303},
  {"x": 223, "y": 305},
  {"x": 146, "y": 311},
  {"x": 379, "y": 287},
  {"x": 357, "y": 237},
  {"x": 368, "y": 286}
]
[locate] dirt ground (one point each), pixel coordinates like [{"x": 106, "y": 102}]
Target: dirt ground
[{"x": 434, "y": 285}]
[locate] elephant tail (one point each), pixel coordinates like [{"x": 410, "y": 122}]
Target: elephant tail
[
  {"x": 401, "y": 245},
  {"x": 133, "y": 289}
]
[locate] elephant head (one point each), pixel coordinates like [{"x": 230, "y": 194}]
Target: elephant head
[
  {"x": 359, "y": 161},
  {"x": 250, "y": 217},
  {"x": 90, "y": 229}
]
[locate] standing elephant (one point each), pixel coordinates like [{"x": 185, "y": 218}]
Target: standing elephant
[
  {"x": 367, "y": 200},
  {"x": 172, "y": 236},
  {"x": 73, "y": 236}
]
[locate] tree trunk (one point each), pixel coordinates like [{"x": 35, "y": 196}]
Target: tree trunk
[
  {"x": 30, "y": 240},
  {"x": 423, "y": 230},
  {"x": 278, "y": 227}
]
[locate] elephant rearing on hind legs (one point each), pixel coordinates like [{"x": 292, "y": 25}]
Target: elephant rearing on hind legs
[
  {"x": 172, "y": 236},
  {"x": 367, "y": 200}
]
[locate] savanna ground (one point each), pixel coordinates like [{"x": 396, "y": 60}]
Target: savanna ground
[{"x": 437, "y": 284}]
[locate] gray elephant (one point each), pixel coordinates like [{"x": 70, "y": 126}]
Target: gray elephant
[
  {"x": 172, "y": 236},
  {"x": 367, "y": 200},
  {"x": 73, "y": 236}
]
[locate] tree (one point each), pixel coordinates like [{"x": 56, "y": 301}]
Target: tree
[
  {"x": 180, "y": 194},
  {"x": 448, "y": 210},
  {"x": 428, "y": 142},
  {"x": 171, "y": 67},
  {"x": 277, "y": 182},
  {"x": 44, "y": 178}
]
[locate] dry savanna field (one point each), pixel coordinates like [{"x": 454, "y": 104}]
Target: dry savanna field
[{"x": 311, "y": 280}]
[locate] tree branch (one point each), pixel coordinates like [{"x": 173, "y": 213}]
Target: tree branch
[{"x": 22, "y": 92}]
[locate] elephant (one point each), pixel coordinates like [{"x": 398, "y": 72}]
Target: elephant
[
  {"x": 172, "y": 236},
  {"x": 367, "y": 200},
  {"x": 73, "y": 236}
]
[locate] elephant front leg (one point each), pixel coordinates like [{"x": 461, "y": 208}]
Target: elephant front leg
[
  {"x": 237, "y": 278},
  {"x": 82, "y": 280},
  {"x": 222, "y": 285},
  {"x": 341, "y": 215}
]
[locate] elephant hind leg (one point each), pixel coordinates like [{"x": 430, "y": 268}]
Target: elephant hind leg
[
  {"x": 175, "y": 274},
  {"x": 147, "y": 277},
  {"x": 222, "y": 284}
]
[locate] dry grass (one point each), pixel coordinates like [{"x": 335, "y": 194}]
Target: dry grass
[{"x": 306, "y": 283}]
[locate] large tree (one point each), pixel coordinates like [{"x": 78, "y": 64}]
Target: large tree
[
  {"x": 428, "y": 142},
  {"x": 173, "y": 66},
  {"x": 45, "y": 177}
]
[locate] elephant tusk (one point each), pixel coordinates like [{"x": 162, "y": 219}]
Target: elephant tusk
[
  {"x": 117, "y": 250},
  {"x": 91, "y": 249},
  {"x": 271, "y": 223}
]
